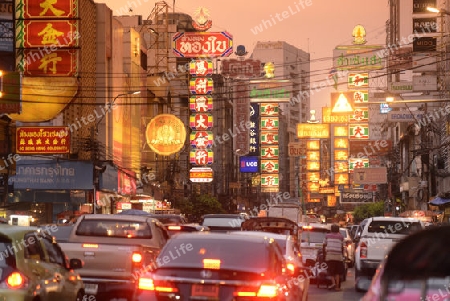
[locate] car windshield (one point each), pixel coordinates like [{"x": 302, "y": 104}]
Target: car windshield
[
  {"x": 314, "y": 235},
  {"x": 62, "y": 233},
  {"x": 170, "y": 219},
  {"x": 234, "y": 222},
  {"x": 116, "y": 228},
  {"x": 7, "y": 258},
  {"x": 394, "y": 227},
  {"x": 197, "y": 253}
]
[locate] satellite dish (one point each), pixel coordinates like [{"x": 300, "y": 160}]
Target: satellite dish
[{"x": 240, "y": 50}]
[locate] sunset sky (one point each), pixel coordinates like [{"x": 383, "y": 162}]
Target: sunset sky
[{"x": 315, "y": 26}]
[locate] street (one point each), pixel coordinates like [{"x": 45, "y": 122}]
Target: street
[{"x": 348, "y": 292}]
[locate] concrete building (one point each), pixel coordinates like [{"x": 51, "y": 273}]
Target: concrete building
[{"x": 293, "y": 64}]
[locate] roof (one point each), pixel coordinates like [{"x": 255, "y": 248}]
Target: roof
[
  {"x": 124, "y": 217},
  {"x": 262, "y": 234},
  {"x": 218, "y": 236},
  {"x": 224, "y": 215},
  {"x": 15, "y": 231}
]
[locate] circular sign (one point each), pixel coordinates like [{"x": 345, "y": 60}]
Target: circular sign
[{"x": 165, "y": 134}]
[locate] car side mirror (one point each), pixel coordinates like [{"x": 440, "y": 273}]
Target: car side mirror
[{"x": 75, "y": 263}]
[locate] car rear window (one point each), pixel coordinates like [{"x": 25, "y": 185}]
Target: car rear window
[
  {"x": 62, "y": 233},
  {"x": 394, "y": 227},
  {"x": 7, "y": 253},
  {"x": 246, "y": 255},
  {"x": 234, "y": 222},
  {"x": 314, "y": 235},
  {"x": 116, "y": 228}
]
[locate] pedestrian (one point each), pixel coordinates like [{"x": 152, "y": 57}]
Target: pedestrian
[{"x": 333, "y": 248}]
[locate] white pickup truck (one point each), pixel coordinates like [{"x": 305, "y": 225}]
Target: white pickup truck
[{"x": 374, "y": 238}]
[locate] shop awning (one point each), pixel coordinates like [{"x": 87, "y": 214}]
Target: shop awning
[{"x": 438, "y": 201}]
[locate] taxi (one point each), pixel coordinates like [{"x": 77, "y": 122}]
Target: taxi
[{"x": 33, "y": 267}]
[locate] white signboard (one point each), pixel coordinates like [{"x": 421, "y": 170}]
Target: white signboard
[
  {"x": 424, "y": 62},
  {"x": 425, "y": 82},
  {"x": 405, "y": 116},
  {"x": 370, "y": 175}
]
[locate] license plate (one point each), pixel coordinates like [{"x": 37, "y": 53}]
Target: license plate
[
  {"x": 205, "y": 290},
  {"x": 90, "y": 289}
]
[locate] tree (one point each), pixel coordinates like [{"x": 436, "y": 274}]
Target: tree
[
  {"x": 368, "y": 210},
  {"x": 198, "y": 205}
]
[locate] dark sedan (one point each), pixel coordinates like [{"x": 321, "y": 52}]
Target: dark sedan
[{"x": 217, "y": 266}]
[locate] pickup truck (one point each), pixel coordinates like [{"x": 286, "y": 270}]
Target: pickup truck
[
  {"x": 374, "y": 239},
  {"x": 116, "y": 250}
]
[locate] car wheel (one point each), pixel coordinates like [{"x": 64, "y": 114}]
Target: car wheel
[{"x": 80, "y": 296}]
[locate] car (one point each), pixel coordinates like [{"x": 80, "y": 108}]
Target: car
[
  {"x": 291, "y": 250},
  {"x": 33, "y": 267},
  {"x": 349, "y": 247},
  {"x": 217, "y": 266},
  {"x": 375, "y": 237},
  {"x": 313, "y": 236},
  {"x": 171, "y": 219},
  {"x": 223, "y": 222},
  {"x": 416, "y": 268},
  {"x": 176, "y": 229}
]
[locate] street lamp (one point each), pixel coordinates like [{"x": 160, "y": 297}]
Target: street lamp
[
  {"x": 437, "y": 10},
  {"x": 94, "y": 150}
]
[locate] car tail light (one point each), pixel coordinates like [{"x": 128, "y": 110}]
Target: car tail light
[
  {"x": 136, "y": 258},
  {"x": 211, "y": 263},
  {"x": 268, "y": 291},
  {"x": 16, "y": 281},
  {"x": 177, "y": 228},
  {"x": 290, "y": 268},
  {"x": 94, "y": 246},
  {"x": 265, "y": 290},
  {"x": 307, "y": 227},
  {"x": 148, "y": 284},
  {"x": 363, "y": 250}
]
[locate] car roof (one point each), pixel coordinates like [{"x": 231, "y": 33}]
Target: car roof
[
  {"x": 219, "y": 236},
  {"x": 121, "y": 217},
  {"x": 263, "y": 234},
  {"x": 394, "y": 218},
  {"x": 16, "y": 231},
  {"x": 220, "y": 215}
]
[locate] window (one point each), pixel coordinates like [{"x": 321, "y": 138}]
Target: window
[
  {"x": 7, "y": 258},
  {"x": 33, "y": 249},
  {"x": 54, "y": 254},
  {"x": 114, "y": 228}
]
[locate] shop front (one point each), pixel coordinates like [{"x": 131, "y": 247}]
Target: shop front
[{"x": 46, "y": 187}]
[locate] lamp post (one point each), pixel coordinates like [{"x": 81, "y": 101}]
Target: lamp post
[{"x": 94, "y": 150}]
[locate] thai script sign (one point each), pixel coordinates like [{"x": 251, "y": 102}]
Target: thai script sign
[
  {"x": 52, "y": 174},
  {"x": 201, "y": 174},
  {"x": 202, "y": 44},
  {"x": 356, "y": 197},
  {"x": 248, "y": 68},
  {"x": 42, "y": 140},
  {"x": 165, "y": 134},
  {"x": 358, "y": 57},
  {"x": 306, "y": 130}
]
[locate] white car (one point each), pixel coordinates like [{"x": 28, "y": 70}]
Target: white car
[{"x": 349, "y": 247}]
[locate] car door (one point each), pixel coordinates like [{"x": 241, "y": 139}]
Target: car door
[
  {"x": 39, "y": 269},
  {"x": 66, "y": 278}
]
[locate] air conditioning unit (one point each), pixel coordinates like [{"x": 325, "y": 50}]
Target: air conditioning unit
[{"x": 423, "y": 184}]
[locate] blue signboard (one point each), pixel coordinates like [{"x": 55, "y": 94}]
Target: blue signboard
[
  {"x": 254, "y": 130},
  {"x": 249, "y": 164},
  {"x": 109, "y": 179},
  {"x": 52, "y": 175}
]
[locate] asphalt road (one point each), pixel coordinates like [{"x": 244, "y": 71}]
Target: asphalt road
[{"x": 348, "y": 292}]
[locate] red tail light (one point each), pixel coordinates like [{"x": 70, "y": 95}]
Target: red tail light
[
  {"x": 268, "y": 291},
  {"x": 148, "y": 284},
  {"x": 136, "y": 258},
  {"x": 16, "y": 281},
  {"x": 290, "y": 268},
  {"x": 363, "y": 250},
  {"x": 265, "y": 290}
]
